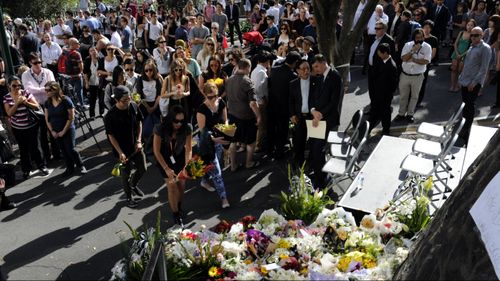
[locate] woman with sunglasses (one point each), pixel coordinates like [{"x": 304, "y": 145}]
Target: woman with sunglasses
[
  {"x": 113, "y": 58},
  {"x": 149, "y": 87},
  {"x": 208, "y": 51},
  {"x": 162, "y": 55},
  {"x": 176, "y": 88},
  {"x": 214, "y": 74},
  {"x": 25, "y": 129},
  {"x": 59, "y": 116},
  {"x": 284, "y": 37},
  {"x": 118, "y": 78},
  {"x": 210, "y": 113},
  {"x": 172, "y": 149},
  {"x": 91, "y": 80}
]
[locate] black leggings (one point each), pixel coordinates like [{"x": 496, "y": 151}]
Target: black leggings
[
  {"x": 94, "y": 94},
  {"x": 27, "y": 139}
]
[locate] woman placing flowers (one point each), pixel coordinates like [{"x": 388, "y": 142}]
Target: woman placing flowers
[
  {"x": 214, "y": 74},
  {"x": 172, "y": 150},
  {"x": 175, "y": 88},
  {"x": 210, "y": 113}
]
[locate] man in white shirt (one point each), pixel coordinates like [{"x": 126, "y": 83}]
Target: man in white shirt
[
  {"x": 50, "y": 53},
  {"x": 377, "y": 15},
  {"x": 274, "y": 10},
  {"x": 60, "y": 29},
  {"x": 116, "y": 39},
  {"x": 153, "y": 31},
  {"x": 34, "y": 81},
  {"x": 259, "y": 77},
  {"x": 415, "y": 55}
]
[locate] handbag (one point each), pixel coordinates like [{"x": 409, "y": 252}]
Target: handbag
[
  {"x": 35, "y": 115},
  {"x": 139, "y": 44}
]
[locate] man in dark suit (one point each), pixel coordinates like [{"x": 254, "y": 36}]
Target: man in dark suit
[
  {"x": 385, "y": 82},
  {"x": 233, "y": 17},
  {"x": 301, "y": 91},
  {"x": 374, "y": 60},
  {"x": 440, "y": 14},
  {"x": 325, "y": 106},
  {"x": 278, "y": 103}
]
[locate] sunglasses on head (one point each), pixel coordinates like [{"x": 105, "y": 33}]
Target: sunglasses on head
[
  {"x": 210, "y": 44},
  {"x": 178, "y": 69},
  {"x": 148, "y": 70},
  {"x": 475, "y": 35}
]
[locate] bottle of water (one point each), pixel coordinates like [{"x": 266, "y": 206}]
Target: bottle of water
[{"x": 361, "y": 180}]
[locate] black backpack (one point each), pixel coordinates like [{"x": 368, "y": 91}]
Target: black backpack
[{"x": 206, "y": 146}]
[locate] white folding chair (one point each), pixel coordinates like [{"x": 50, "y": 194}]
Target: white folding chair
[
  {"x": 350, "y": 130},
  {"x": 348, "y": 148},
  {"x": 433, "y": 149},
  {"x": 430, "y": 130},
  {"x": 338, "y": 168}
]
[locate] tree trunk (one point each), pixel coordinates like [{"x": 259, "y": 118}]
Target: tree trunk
[
  {"x": 339, "y": 52},
  {"x": 451, "y": 248}
]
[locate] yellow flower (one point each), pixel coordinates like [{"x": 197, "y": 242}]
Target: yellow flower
[
  {"x": 342, "y": 233},
  {"x": 212, "y": 272},
  {"x": 283, "y": 256},
  {"x": 263, "y": 270},
  {"x": 247, "y": 262},
  {"x": 284, "y": 244},
  {"x": 368, "y": 222},
  {"x": 344, "y": 263},
  {"x": 304, "y": 271}
]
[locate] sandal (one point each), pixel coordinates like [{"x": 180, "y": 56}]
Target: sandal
[{"x": 207, "y": 186}]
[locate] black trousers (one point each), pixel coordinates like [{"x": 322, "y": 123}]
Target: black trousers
[
  {"x": 27, "y": 139},
  {"x": 469, "y": 98},
  {"x": 94, "y": 94},
  {"x": 129, "y": 178},
  {"x": 317, "y": 161},
  {"x": 232, "y": 26},
  {"x": 380, "y": 111},
  {"x": 424, "y": 83},
  {"x": 277, "y": 132},
  {"x": 299, "y": 138}
]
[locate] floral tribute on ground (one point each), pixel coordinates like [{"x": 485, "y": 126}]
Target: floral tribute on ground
[{"x": 332, "y": 247}]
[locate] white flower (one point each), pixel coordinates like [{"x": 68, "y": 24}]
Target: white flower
[
  {"x": 135, "y": 258},
  {"x": 233, "y": 248},
  {"x": 269, "y": 221},
  {"x": 119, "y": 270},
  {"x": 281, "y": 274},
  {"x": 248, "y": 275}
]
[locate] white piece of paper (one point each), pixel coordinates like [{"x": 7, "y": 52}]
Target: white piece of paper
[
  {"x": 486, "y": 215},
  {"x": 271, "y": 266},
  {"x": 316, "y": 132}
]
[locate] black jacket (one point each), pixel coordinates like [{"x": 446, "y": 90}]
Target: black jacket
[
  {"x": 279, "y": 89},
  {"x": 385, "y": 39},
  {"x": 236, "y": 12},
  {"x": 295, "y": 105},
  {"x": 441, "y": 19},
  {"x": 386, "y": 81},
  {"x": 327, "y": 97}
]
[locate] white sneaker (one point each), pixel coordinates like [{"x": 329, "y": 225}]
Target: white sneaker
[{"x": 225, "y": 203}]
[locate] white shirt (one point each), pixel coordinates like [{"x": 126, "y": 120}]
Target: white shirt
[
  {"x": 94, "y": 79},
  {"x": 154, "y": 30},
  {"x": 162, "y": 61},
  {"x": 373, "y": 20},
  {"x": 35, "y": 83},
  {"x": 373, "y": 48},
  {"x": 109, "y": 66},
  {"x": 132, "y": 80},
  {"x": 425, "y": 52},
  {"x": 275, "y": 11},
  {"x": 359, "y": 11},
  {"x": 50, "y": 54},
  {"x": 116, "y": 40},
  {"x": 326, "y": 72},
  {"x": 60, "y": 30},
  {"x": 149, "y": 90},
  {"x": 259, "y": 79},
  {"x": 304, "y": 91}
]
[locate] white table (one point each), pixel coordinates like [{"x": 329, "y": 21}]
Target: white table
[
  {"x": 382, "y": 175},
  {"x": 479, "y": 138}
]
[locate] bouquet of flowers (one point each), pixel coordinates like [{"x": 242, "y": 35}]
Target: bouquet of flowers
[
  {"x": 225, "y": 130},
  {"x": 117, "y": 169},
  {"x": 194, "y": 169},
  {"x": 217, "y": 81},
  {"x": 136, "y": 97}
]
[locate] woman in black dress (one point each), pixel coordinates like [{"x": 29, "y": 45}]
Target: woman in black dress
[{"x": 172, "y": 149}]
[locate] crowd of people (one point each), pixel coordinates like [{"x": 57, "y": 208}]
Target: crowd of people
[{"x": 158, "y": 75}]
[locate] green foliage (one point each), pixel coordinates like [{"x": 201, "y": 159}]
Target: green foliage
[
  {"x": 302, "y": 202},
  {"x": 38, "y": 9},
  {"x": 246, "y": 26}
]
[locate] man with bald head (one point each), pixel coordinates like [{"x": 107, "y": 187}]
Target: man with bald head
[
  {"x": 74, "y": 68},
  {"x": 473, "y": 76}
]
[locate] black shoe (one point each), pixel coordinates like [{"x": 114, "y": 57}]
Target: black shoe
[
  {"x": 178, "y": 220},
  {"x": 399, "y": 118},
  {"x": 495, "y": 106},
  {"x": 9, "y": 206},
  {"x": 131, "y": 203},
  {"x": 26, "y": 175},
  {"x": 410, "y": 119},
  {"x": 137, "y": 191},
  {"x": 68, "y": 172},
  {"x": 44, "y": 171}
]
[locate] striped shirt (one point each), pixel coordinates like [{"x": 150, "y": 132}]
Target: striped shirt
[{"x": 19, "y": 120}]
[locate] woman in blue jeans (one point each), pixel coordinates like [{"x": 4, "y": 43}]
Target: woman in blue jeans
[
  {"x": 59, "y": 115},
  {"x": 211, "y": 112}
]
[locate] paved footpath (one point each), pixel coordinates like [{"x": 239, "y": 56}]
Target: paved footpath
[{"x": 73, "y": 228}]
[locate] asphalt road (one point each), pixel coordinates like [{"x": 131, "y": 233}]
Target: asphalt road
[{"x": 72, "y": 228}]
